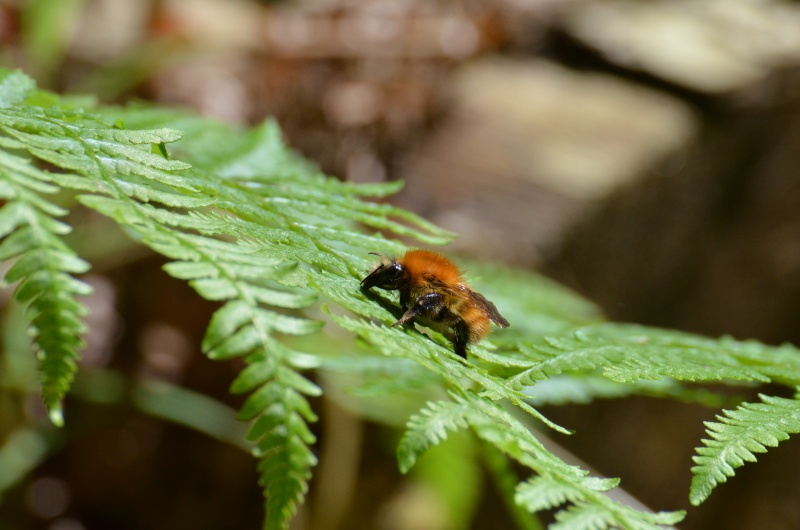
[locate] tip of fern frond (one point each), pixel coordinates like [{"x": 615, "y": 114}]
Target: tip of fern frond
[
  {"x": 405, "y": 467},
  {"x": 698, "y": 498},
  {"x": 57, "y": 416}
]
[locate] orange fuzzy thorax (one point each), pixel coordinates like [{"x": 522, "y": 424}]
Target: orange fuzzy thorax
[{"x": 427, "y": 265}]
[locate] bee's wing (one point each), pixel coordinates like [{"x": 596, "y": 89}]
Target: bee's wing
[{"x": 488, "y": 308}]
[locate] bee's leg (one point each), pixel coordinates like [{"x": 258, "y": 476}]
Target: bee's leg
[
  {"x": 404, "y": 299},
  {"x": 460, "y": 337},
  {"x": 408, "y": 315},
  {"x": 427, "y": 303}
]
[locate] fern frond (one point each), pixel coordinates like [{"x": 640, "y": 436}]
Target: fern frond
[
  {"x": 277, "y": 223},
  {"x": 588, "y": 516},
  {"x": 582, "y": 516},
  {"x": 628, "y": 353},
  {"x": 231, "y": 272},
  {"x": 737, "y": 436},
  {"x": 128, "y": 181},
  {"x": 429, "y": 427},
  {"x": 440, "y": 360},
  {"x": 44, "y": 267},
  {"x": 496, "y": 426},
  {"x": 557, "y": 482},
  {"x": 546, "y": 492},
  {"x": 487, "y": 419}
]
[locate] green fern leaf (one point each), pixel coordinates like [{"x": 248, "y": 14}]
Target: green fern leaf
[
  {"x": 129, "y": 178},
  {"x": 442, "y": 361},
  {"x": 285, "y": 470},
  {"x": 44, "y": 267},
  {"x": 429, "y": 427},
  {"x": 582, "y": 516},
  {"x": 626, "y": 353},
  {"x": 287, "y": 211},
  {"x": 590, "y": 505},
  {"x": 739, "y": 434},
  {"x": 593, "y": 516},
  {"x": 545, "y": 492}
]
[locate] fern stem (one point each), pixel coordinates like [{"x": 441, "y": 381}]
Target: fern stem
[{"x": 505, "y": 481}]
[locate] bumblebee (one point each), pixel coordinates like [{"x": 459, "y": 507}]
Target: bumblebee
[{"x": 433, "y": 292}]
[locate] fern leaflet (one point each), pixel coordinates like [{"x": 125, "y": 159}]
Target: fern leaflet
[
  {"x": 44, "y": 266},
  {"x": 740, "y": 433},
  {"x": 429, "y": 427},
  {"x": 546, "y": 492},
  {"x": 627, "y": 353}
]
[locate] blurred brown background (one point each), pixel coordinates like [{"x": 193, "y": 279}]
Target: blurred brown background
[{"x": 645, "y": 153}]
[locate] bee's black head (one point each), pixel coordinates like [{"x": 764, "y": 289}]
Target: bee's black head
[{"x": 386, "y": 275}]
